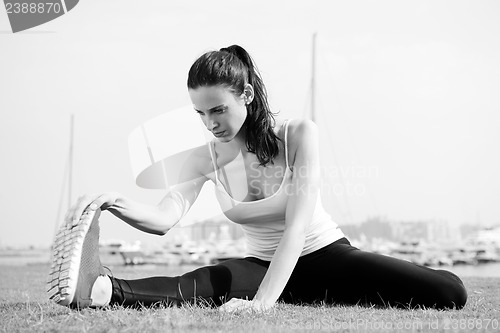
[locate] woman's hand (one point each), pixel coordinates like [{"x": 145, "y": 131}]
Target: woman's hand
[
  {"x": 93, "y": 202},
  {"x": 238, "y": 305}
]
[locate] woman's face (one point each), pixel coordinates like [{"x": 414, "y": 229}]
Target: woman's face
[{"x": 222, "y": 112}]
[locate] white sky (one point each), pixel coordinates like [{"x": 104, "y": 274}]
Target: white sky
[{"x": 408, "y": 94}]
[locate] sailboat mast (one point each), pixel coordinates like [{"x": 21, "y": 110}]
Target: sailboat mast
[
  {"x": 70, "y": 164},
  {"x": 68, "y": 177},
  {"x": 313, "y": 79}
]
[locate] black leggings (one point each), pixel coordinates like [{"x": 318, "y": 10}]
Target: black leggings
[{"x": 338, "y": 273}]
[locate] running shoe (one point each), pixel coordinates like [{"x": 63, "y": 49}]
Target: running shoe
[{"x": 75, "y": 262}]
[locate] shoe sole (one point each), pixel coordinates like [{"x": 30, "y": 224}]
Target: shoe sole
[{"x": 66, "y": 259}]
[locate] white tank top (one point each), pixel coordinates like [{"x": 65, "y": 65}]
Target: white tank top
[{"x": 263, "y": 221}]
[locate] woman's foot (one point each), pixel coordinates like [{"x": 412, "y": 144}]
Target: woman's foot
[{"x": 76, "y": 265}]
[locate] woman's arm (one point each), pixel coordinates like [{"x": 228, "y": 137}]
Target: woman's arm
[
  {"x": 158, "y": 219},
  {"x": 300, "y": 207},
  {"x": 299, "y": 212},
  {"x": 154, "y": 219}
]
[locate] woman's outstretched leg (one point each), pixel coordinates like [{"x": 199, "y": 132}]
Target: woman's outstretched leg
[
  {"x": 340, "y": 273},
  {"x": 210, "y": 285},
  {"x": 77, "y": 278}
]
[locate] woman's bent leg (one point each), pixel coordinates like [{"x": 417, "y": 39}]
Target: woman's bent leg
[
  {"x": 211, "y": 285},
  {"x": 340, "y": 273}
]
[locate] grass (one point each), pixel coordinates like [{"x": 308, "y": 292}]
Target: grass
[{"x": 24, "y": 307}]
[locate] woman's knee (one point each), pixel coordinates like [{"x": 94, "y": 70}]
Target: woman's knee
[
  {"x": 453, "y": 293},
  {"x": 460, "y": 294}
]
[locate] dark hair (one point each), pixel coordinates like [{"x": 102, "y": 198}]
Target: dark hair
[{"x": 233, "y": 67}]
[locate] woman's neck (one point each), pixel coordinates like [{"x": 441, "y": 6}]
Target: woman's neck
[
  {"x": 240, "y": 140},
  {"x": 239, "y": 146}
]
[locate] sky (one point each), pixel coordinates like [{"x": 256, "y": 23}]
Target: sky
[{"x": 406, "y": 102}]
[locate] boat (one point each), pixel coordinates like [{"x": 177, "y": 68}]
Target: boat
[
  {"x": 131, "y": 257},
  {"x": 487, "y": 255},
  {"x": 462, "y": 256}
]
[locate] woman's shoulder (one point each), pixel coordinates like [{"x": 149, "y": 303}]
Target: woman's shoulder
[
  {"x": 302, "y": 132},
  {"x": 199, "y": 162},
  {"x": 297, "y": 126},
  {"x": 300, "y": 129}
]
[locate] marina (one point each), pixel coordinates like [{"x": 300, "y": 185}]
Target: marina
[{"x": 471, "y": 258}]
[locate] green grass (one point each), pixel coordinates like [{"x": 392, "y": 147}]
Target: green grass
[{"x": 24, "y": 308}]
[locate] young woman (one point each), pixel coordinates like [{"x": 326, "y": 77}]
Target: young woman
[{"x": 267, "y": 178}]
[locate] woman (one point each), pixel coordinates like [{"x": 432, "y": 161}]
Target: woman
[{"x": 267, "y": 178}]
